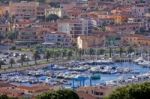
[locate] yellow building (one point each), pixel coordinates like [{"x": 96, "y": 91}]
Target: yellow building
[
  {"x": 1, "y": 11},
  {"x": 139, "y": 40},
  {"x": 93, "y": 41}
]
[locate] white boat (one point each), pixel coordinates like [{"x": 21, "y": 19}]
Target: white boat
[
  {"x": 104, "y": 61},
  {"x": 138, "y": 59},
  {"x": 144, "y": 63}
]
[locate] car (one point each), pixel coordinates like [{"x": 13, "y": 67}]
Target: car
[
  {"x": 6, "y": 53},
  {"x": 15, "y": 54}
]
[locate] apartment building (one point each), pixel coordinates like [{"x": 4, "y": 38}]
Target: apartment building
[
  {"x": 57, "y": 39},
  {"x": 124, "y": 28},
  {"x": 76, "y": 27},
  {"x": 139, "y": 10},
  {"x": 27, "y": 34},
  {"x": 92, "y": 41},
  {"x": 94, "y": 92},
  {"x": 135, "y": 39},
  {"x": 4, "y": 28},
  {"x": 41, "y": 10},
  {"x": 23, "y": 9},
  {"x": 56, "y": 11}
]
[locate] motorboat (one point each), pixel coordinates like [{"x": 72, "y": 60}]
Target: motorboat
[
  {"x": 79, "y": 68},
  {"x": 138, "y": 59},
  {"x": 95, "y": 77},
  {"x": 144, "y": 63},
  {"x": 103, "y": 61}
]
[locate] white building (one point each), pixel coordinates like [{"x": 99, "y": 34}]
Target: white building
[
  {"x": 139, "y": 10},
  {"x": 76, "y": 27},
  {"x": 57, "y": 11}
]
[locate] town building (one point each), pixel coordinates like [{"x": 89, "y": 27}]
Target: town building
[
  {"x": 92, "y": 41},
  {"x": 5, "y": 28},
  {"x": 137, "y": 40},
  {"x": 94, "y": 92},
  {"x": 125, "y": 28},
  {"x": 76, "y": 27},
  {"x": 57, "y": 39},
  {"x": 23, "y": 9},
  {"x": 56, "y": 11},
  {"x": 139, "y": 10}
]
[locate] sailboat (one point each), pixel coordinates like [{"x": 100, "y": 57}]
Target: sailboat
[{"x": 145, "y": 62}]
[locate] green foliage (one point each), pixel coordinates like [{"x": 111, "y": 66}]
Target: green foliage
[
  {"x": 47, "y": 55},
  {"x": 22, "y": 59},
  {"x": 130, "y": 50},
  {"x": 1, "y": 63},
  {"x": 11, "y": 61},
  {"x": 136, "y": 91},
  {"x": 12, "y": 35},
  {"x": 6, "y": 97},
  {"x": 36, "y": 56},
  {"x": 13, "y": 48},
  {"x": 60, "y": 94}
]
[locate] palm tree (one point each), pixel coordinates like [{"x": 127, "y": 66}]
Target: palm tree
[
  {"x": 22, "y": 59},
  {"x": 1, "y": 63},
  {"x": 80, "y": 52},
  {"x": 36, "y": 56},
  {"x": 70, "y": 53},
  {"x": 120, "y": 51},
  {"x": 110, "y": 52},
  {"x": 47, "y": 55},
  {"x": 130, "y": 50},
  {"x": 11, "y": 61}
]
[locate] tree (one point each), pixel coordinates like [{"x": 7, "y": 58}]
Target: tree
[
  {"x": 4, "y": 97},
  {"x": 120, "y": 51},
  {"x": 47, "y": 55},
  {"x": 36, "y": 56},
  {"x": 1, "y": 37},
  {"x": 52, "y": 17},
  {"x": 22, "y": 59},
  {"x": 12, "y": 35},
  {"x": 101, "y": 51},
  {"x": 110, "y": 52},
  {"x": 136, "y": 91},
  {"x": 11, "y": 61},
  {"x": 60, "y": 94},
  {"x": 1, "y": 63},
  {"x": 130, "y": 50},
  {"x": 91, "y": 51},
  {"x": 70, "y": 53}
]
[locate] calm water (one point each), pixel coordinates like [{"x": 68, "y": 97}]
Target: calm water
[
  {"x": 104, "y": 77},
  {"x": 108, "y": 77}
]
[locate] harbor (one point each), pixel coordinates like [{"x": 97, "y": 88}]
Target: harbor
[{"x": 75, "y": 74}]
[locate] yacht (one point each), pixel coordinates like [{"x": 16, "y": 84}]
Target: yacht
[
  {"x": 104, "y": 61},
  {"x": 144, "y": 63},
  {"x": 138, "y": 59}
]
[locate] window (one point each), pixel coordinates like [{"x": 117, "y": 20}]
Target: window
[{"x": 98, "y": 93}]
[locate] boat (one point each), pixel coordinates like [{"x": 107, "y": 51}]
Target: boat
[
  {"x": 80, "y": 68},
  {"x": 81, "y": 77},
  {"x": 138, "y": 59},
  {"x": 144, "y": 63},
  {"x": 104, "y": 61},
  {"x": 56, "y": 67},
  {"x": 95, "y": 77}
]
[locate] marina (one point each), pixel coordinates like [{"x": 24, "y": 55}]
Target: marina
[{"x": 83, "y": 73}]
